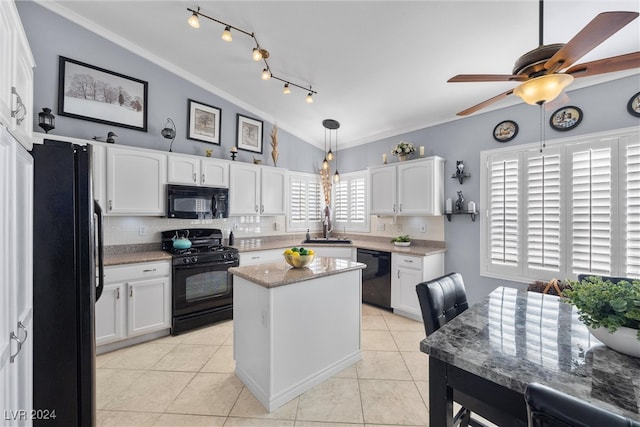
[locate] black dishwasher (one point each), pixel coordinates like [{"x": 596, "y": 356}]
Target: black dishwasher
[{"x": 376, "y": 277}]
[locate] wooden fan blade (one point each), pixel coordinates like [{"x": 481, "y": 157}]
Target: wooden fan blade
[
  {"x": 487, "y": 78},
  {"x": 598, "y": 30},
  {"x": 606, "y": 65},
  {"x": 484, "y": 103}
]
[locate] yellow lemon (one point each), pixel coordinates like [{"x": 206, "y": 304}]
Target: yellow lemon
[
  {"x": 288, "y": 251},
  {"x": 295, "y": 254},
  {"x": 310, "y": 252}
]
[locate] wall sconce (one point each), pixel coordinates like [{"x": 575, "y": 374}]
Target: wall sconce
[
  {"x": 169, "y": 132},
  {"x": 46, "y": 120}
]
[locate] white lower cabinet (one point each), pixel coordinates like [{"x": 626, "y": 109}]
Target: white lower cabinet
[
  {"x": 346, "y": 252},
  {"x": 136, "y": 300},
  {"x": 259, "y": 257},
  {"x": 406, "y": 272}
]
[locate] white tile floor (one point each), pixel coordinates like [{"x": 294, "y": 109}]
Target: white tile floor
[{"x": 188, "y": 380}]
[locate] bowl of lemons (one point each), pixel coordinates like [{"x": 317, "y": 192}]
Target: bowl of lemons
[{"x": 298, "y": 257}]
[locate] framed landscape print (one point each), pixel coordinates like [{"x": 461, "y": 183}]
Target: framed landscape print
[
  {"x": 249, "y": 134},
  {"x": 91, "y": 93},
  {"x": 204, "y": 122}
]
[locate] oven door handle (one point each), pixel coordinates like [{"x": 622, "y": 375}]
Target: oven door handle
[{"x": 192, "y": 266}]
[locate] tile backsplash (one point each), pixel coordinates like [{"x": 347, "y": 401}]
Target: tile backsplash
[{"x": 121, "y": 230}]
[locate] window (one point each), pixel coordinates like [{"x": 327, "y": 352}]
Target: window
[
  {"x": 350, "y": 202},
  {"x": 574, "y": 208},
  {"x": 305, "y": 202}
]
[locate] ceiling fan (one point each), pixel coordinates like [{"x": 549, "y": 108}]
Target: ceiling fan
[{"x": 541, "y": 68}]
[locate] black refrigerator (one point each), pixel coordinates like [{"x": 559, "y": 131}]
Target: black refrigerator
[{"x": 67, "y": 252}]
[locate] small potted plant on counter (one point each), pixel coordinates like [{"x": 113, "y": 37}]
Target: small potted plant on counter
[
  {"x": 610, "y": 309},
  {"x": 401, "y": 240}
]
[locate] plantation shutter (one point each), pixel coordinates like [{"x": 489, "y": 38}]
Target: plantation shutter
[
  {"x": 631, "y": 192},
  {"x": 543, "y": 212},
  {"x": 341, "y": 201},
  {"x": 350, "y": 203},
  {"x": 305, "y": 201},
  {"x": 503, "y": 213},
  {"x": 591, "y": 219}
]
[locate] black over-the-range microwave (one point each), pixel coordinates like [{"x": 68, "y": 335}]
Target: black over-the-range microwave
[{"x": 184, "y": 201}]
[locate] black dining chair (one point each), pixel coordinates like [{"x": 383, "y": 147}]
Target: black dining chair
[
  {"x": 441, "y": 300},
  {"x": 547, "y": 407}
]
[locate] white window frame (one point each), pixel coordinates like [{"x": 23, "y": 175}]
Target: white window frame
[
  {"x": 618, "y": 139},
  {"x": 307, "y": 179},
  {"x": 348, "y": 178}
]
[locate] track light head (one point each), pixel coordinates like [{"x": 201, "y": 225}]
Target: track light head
[
  {"x": 309, "y": 98},
  {"x": 255, "y": 54},
  {"x": 193, "y": 20},
  {"x": 226, "y": 34},
  {"x": 266, "y": 74},
  {"x": 286, "y": 90}
]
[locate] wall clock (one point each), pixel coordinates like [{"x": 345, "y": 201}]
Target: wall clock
[
  {"x": 505, "y": 131},
  {"x": 633, "y": 106},
  {"x": 566, "y": 118}
]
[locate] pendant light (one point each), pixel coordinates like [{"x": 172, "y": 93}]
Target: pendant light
[
  {"x": 325, "y": 163},
  {"x": 330, "y": 124}
]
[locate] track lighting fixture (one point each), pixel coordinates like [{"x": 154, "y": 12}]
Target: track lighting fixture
[
  {"x": 226, "y": 34},
  {"x": 194, "y": 21},
  {"x": 257, "y": 54}
]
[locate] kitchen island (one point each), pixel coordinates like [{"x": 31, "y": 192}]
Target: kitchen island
[{"x": 295, "y": 327}]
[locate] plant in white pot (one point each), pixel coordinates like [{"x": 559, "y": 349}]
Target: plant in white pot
[{"x": 611, "y": 311}]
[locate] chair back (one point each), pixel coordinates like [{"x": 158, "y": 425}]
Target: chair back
[
  {"x": 547, "y": 407},
  {"x": 441, "y": 300}
]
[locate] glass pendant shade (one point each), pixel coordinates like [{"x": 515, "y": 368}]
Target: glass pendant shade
[
  {"x": 325, "y": 164},
  {"x": 286, "y": 90},
  {"x": 256, "y": 55},
  {"x": 336, "y": 177},
  {"x": 543, "y": 89},
  {"x": 266, "y": 75},
  {"x": 226, "y": 34},
  {"x": 309, "y": 98},
  {"x": 330, "y": 155},
  {"x": 194, "y": 21}
]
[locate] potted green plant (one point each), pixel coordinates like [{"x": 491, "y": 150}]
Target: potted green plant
[
  {"x": 404, "y": 240},
  {"x": 611, "y": 311}
]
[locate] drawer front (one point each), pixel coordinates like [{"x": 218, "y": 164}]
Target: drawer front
[
  {"x": 259, "y": 257},
  {"x": 128, "y": 272},
  {"x": 406, "y": 261}
]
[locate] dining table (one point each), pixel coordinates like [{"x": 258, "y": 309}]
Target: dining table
[{"x": 484, "y": 358}]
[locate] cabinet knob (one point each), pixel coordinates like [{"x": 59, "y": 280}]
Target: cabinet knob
[
  {"x": 203, "y": 179},
  {"x": 110, "y": 204},
  {"x": 398, "y": 274},
  {"x": 195, "y": 177},
  {"x": 394, "y": 207},
  {"x": 118, "y": 293},
  {"x": 261, "y": 208},
  {"x": 131, "y": 292},
  {"x": 257, "y": 208},
  {"x": 400, "y": 207}
]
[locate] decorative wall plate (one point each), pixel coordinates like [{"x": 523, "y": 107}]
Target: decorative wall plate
[
  {"x": 633, "y": 106},
  {"x": 566, "y": 118},
  {"x": 505, "y": 131}
]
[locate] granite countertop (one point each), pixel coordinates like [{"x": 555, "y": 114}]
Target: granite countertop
[
  {"x": 516, "y": 337},
  {"x": 134, "y": 257},
  {"x": 279, "y": 273},
  {"x": 379, "y": 244}
]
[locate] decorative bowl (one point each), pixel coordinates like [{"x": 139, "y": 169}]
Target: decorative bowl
[
  {"x": 623, "y": 340},
  {"x": 402, "y": 243},
  {"x": 298, "y": 261}
]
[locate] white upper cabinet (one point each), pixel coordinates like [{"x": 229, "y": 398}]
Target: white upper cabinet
[
  {"x": 188, "y": 170},
  {"x": 135, "y": 182},
  {"x": 16, "y": 76},
  {"x": 415, "y": 187},
  {"x": 256, "y": 190}
]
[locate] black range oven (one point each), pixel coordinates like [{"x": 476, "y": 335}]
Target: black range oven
[{"x": 202, "y": 287}]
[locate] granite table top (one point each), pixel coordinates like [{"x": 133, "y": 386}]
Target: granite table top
[
  {"x": 515, "y": 337},
  {"x": 279, "y": 273}
]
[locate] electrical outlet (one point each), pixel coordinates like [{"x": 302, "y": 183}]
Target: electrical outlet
[
  {"x": 423, "y": 228},
  {"x": 276, "y": 226},
  {"x": 142, "y": 231},
  {"x": 380, "y": 227}
]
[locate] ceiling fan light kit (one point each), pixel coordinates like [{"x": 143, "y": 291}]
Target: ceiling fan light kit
[
  {"x": 540, "y": 70},
  {"x": 543, "y": 89},
  {"x": 257, "y": 54}
]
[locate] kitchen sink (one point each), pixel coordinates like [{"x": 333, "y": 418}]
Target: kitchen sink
[{"x": 327, "y": 241}]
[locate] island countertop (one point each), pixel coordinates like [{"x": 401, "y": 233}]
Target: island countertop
[{"x": 279, "y": 273}]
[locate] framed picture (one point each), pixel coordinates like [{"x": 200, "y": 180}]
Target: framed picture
[
  {"x": 566, "y": 118},
  {"x": 505, "y": 131},
  {"x": 91, "y": 93},
  {"x": 249, "y": 134},
  {"x": 204, "y": 122},
  {"x": 633, "y": 106}
]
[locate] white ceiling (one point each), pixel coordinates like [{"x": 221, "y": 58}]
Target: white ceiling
[{"x": 380, "y": 67}]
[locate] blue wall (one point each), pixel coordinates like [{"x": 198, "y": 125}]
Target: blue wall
[{"x": 51, "y": 36}]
